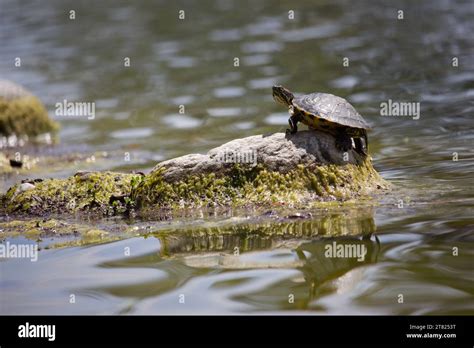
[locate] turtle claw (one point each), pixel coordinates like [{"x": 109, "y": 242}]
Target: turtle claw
[
  {"x": 290, "y": 131},
  {"x": 293, "y": 126}
]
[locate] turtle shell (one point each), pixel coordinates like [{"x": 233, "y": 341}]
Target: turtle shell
[{"x": 331, "y": 108}]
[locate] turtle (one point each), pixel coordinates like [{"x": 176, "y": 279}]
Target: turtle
[{"x": 328, "y": 113}]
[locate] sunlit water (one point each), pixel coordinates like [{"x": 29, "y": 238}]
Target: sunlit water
[{"x": 424, "y": 228}]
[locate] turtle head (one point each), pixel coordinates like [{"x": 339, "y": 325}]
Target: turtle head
[{"x": 282, "y": 95}]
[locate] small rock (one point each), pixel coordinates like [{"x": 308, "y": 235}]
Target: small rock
[
  {"x": 26, "y": 187},
  {"x": 81, "y": 173},
  {"x": 299, "y": 216},
  {"x": 271, "y": 213},
  {"x": 16, "y": 164}
]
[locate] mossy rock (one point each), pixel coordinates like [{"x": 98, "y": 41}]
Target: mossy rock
[
  {"x": 104, "y": 193},
  {"x": 301, "y": 171},
  {"x": 54, "y": 229},
  {"x": 239, "y": 186},
  {"x": 21, "y": 113}
]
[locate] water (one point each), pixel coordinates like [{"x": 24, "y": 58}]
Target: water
[{"x": 421, "y": 226}]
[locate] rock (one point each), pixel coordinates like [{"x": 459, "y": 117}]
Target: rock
[
  {"x": 10, "y": 90},
  {"x": 95, "y": 234},
  {"x": 298, "y": 215},
  {"x": 25, "y": 187},
  {"x": 89, "y": 193},
  {"x": 275, "y": 169},
  {"x": 276, "y": 152},
  {"x": 21, "y": 113},
  {"x": 301, "y": 171},
  {"x": 54, "y": 233},
  {"x": 15, "y": 163}
]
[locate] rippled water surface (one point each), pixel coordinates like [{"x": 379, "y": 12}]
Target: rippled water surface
[{"x": 419, "y": 239}]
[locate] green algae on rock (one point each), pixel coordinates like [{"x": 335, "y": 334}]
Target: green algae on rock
[
  {"x": 257, "y": 186},
  {"x": 38, "y": 229},
  {"x": 21, "y": 113},
  {"x": 304, "y": 169},
  {"x": 55, "y": 233},
  {"x": 101, "y": 192}
]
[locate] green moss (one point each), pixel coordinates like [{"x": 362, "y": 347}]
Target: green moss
[
  {"x": 114, "y": 193},
  {"x": 102, "y": 192},
  {"x": 306, "y": 185},
  {"x": 25, "y": 116}
]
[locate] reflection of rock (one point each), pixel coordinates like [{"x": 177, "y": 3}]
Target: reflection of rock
[
  {"x": 227, "y": 261},
  {"x": 21, "y": 113},
  {"x": 215, "y": 246}
]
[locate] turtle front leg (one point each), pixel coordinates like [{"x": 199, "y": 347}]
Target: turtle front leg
[
  {"x": 293, "y": 125},
  {"x": 343, "y": 141},
  {"x": 293, "y": 121},
  {"x": 359, "y": 146}
]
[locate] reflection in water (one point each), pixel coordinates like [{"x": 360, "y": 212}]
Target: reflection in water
[
  {"x": 288, "y": 272},
  {"x": 249, "y": 237},
  {"x": 303, "y": 245},
  {"x": 319, "y": 268}
]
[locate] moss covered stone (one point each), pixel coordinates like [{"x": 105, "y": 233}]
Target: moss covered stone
[
  {"x": 56, "y": 233},
  {"x": 303, "y": 172},
  {"x": 101, "y": 192},
  {"x": 21, "y": 113},
  {"x": 304, "y": 169},
  {"x": 239, "y": 186},
  {"x": 38, "y": 229},
  {"x": 25, "y": 116}
]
